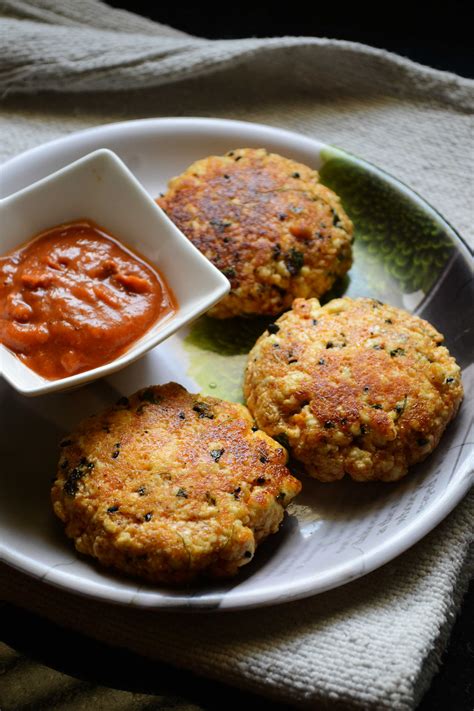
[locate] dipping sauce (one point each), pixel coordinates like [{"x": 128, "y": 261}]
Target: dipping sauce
[{"x": 74, "y": 298}]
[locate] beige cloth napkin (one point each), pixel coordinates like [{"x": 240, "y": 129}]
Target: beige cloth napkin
[{"x": 65, "y": 65}]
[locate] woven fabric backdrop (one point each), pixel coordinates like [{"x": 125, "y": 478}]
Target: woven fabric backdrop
[{"x": 66, "y": 65}]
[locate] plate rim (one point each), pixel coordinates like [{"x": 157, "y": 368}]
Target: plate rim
[
  {"x": 265, "y": 597},
  {"x": 202, "y": 120},
  {"x": 361, "y": 564}
]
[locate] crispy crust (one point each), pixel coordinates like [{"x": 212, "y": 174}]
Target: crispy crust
[
  {"x": 267, "y": 223},
  {"x": 168, "y": 485},
  {"x": 354, "y": 387}
]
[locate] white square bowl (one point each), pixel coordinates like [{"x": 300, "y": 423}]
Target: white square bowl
[{"x": 100, "y": 188}]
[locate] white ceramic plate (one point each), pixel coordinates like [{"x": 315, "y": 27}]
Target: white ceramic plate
[{"x": 405, "y": 253}]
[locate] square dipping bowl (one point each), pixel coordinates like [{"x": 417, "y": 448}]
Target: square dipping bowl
[{"x": 100, "y": 188}]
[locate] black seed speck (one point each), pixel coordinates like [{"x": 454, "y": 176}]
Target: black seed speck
[
  {"x": 321, "y": 361},
  {"x": 282, "y": 216},
  {"x": 292, "y": 360},
  {"x": 148, "y": 516},
  {"x": 247, "y": 554},
  {"x": 263, "y": 459},
  {"x": 388, "y": 320},
  {"x": 203, "y": 410},
  {"x": 294, "y": 260},
  {"x": 141, "y": 491},
  {"x": 366, "y": 388},
  {"x": 273, "y": 328},
  {"x": 363, "y": 429},
  {"x": 276, "y": 250},
  {"x": 328, "y": 425},
  {"x": 229, "y": 272},
  {"x": 254, "y": 428},
  {"x": 329, "y": 344},
  {"x": 220, "y": 225},
  {"x": 182, "y": 416},
  {"x": 112, "y": 509},
  {"x": 71, "y": 484},
  {"x": 260, "y": 480},
  {"x": 75, "y": 475},
  {"x": 210, "y": 499},
  {"x": 315, "y": 322},
  {"x": 216, "y": 454},
  {"x": 181, "y": 492},
  {"x": 236, "y": 492},
  {"x": 377, "y": 407},
  {"x": 295, "y": 175},
  {"x": 449, "y": 380},
  {"x": 280, "y": 496},
  {"x": 227, "y": 177},
  {"x": 238, "y": 158},
  {"x": 397, "y": 352},
  {"x": 400, "y": 407},
  {"x": 422, "y": 441}
]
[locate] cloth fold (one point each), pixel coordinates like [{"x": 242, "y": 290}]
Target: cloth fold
[
  {"x": 68, "y": 46},
  {"x": 374, "y": 643}
]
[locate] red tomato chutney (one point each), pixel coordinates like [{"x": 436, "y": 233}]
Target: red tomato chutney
[{"x": 73, "y": 298}]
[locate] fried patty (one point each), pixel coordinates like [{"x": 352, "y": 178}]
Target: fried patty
[
  {"x": 355, "y": 387},
  {"x": 267, "y": 223},
  {"x": 168, "y": 485}
]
